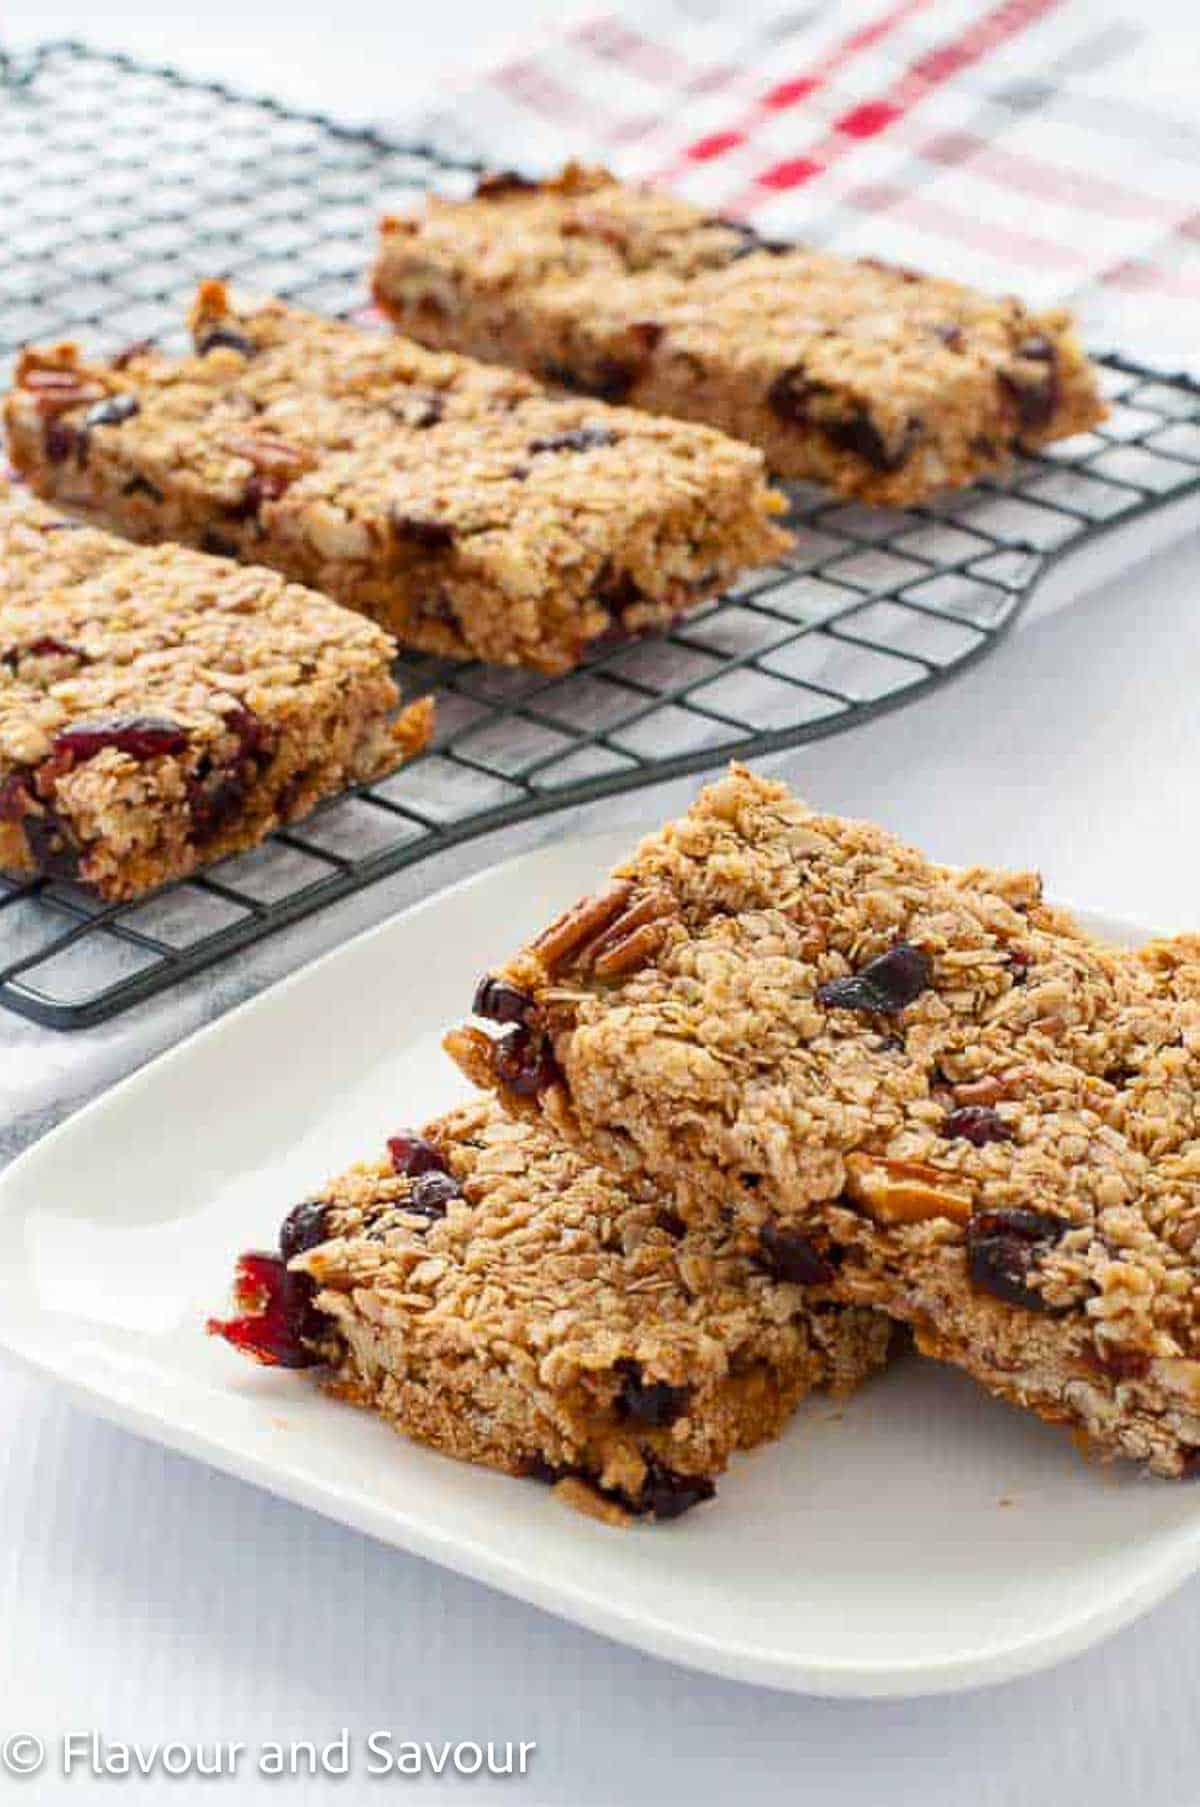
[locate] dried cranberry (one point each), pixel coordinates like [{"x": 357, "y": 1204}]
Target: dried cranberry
[
  {"x": 579, "y": 439},
  {"x": 523, "y": 1062},
  {"x": 616, "y": 591},
  {"x": 653, "y": 1402},
  {"x": 411, "y": 1155},
  {"x": 211, "y": 337},
  {"x": 59, "y": 441},
  {"x": 16, "y": 799},
  {"x": 888, "y": 983},
  {"x": 111, "y": 411},
  {"x": 276, "y": 1320},
  {"x": 670, "y": 1223},
  {"x": 977, "y": 1123},
  {"x": 791, "y": 1257},
  {"x": 431, "y": 536},
  {"x": 45, "y": 647},
  {"x": 608, "y": 379},
  {"x": 138, "y": 736},
  {"x": 431, "y": 1194},
  {"x": 52, "y": 845},
  {"x": 666, "y": 1494},
  {"x": 857, "y": 433},
  {"x": 218, "y": 544},
  {"x": 303, "y": 1228},
  {"x": 142, "y": 486},
  {"x": 951, "y": 334},
  {"x": 500, "y": 1002},
  {"x": 1003, "y": 1247},
  {"x": 1036, "y": 396},
  {"x": 851, "y": 429}
]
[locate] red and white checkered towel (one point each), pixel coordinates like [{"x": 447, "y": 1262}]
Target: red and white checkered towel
[{"x": 1037, "y": 146}]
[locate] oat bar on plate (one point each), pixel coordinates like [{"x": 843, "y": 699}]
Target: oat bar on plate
[
  {"x": 160, "y": 708},
  {"x": 458, "y": 505},
  {"x": 880, "y": 382},
  {"x": 486, "y": 1292},
  {"x": 920, "y": 1088}
]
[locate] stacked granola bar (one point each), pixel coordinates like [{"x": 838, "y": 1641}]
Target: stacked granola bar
[
  {"x": 489, "y": 1293},
  {"x": 895, "y": 1085}
]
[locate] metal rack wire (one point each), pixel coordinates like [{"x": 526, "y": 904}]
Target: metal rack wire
[{"x": 121, "y": 185}]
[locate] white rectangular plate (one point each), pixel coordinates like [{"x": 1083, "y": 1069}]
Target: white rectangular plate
[{"x": 922, "y": 1538}]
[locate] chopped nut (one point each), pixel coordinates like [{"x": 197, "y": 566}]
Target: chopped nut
[
  {"x": 569, "y": 931},
  {"x": 270, "y": 456},
  {"x": 626, "y": 955},
  {"x": 904, "y": 1191}
]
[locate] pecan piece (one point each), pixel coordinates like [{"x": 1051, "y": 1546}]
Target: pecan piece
[
  {"x": 630, "y": 952},
  {"x": 902, "y": 1192},
  {"x": 275, "y": 462},
  {"x": 589, "y": 917},
  {"x": 56, "y": 390}
]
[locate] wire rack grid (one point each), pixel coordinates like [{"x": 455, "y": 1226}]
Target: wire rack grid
[{"x": 121, "y": 185}]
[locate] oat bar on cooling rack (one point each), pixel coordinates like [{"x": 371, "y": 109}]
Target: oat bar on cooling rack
[
  {"x": 458, "y": 505},
  {"x": 922, "y": 1089},
  {"x": 160, "y": 708},
  {"x": 487, "y": 1293},
  {"x": 878, "y": 381}
]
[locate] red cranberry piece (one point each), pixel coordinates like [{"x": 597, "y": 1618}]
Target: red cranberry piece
[
  {"x": 977, "y": 1123},
  {"x": 111, "y": 411},
  {"x": 53, "y": 846},
  {"x": 523, "y": 1062},
  {"x": 213, "y": 336},
  {"x": 1003, "y": 1248},
  {"x": 579, "y": 439},
  {"x": 276, "y": 1320},
  {"x": 59, "y": 441},
  {"x": 789, "y": 1256},
  {"x": 653, "y": 1402},
  {"x": 139, "y": 736},
  {"x": 44, "y": 647},
  {"x": 303, "y": 1228},
  {"x": 608, "y": 380},
  {"x": 431, "y": 536},
  {"x": 500, "y": 1002},
  {"x": 666, "y": 1494},
  {"x": 670, "y": 1223},
  {"x": 16, "y": 799},
  {"x": 431, "y": 1195},
  {"x": 412, "y": 1155},
  {"x": 142, "y": 486},
  {"x": 887, "y": 984},
  {"x": 1036, "y": 395}
]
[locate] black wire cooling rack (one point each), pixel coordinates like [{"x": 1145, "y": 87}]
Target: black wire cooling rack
[{"x": 121, "y": 185}]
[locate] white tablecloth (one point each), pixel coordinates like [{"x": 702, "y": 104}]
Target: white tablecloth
[{"x": 145, "y": 1596}]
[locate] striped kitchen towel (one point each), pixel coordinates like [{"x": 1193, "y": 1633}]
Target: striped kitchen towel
[{"x": 1048, "y": 147}]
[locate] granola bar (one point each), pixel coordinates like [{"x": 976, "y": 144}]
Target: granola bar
[
  {"x": 876, "y": 380},
  {"x": 487, "y": 1293},
  {"x": 458, "y": 505},
  {"x": 922, "y": 1089},
  {"x": 160, "y": 708}
]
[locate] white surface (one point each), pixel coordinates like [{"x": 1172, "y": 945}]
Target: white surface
[
  {"x": 992, "y": 1551},
  {"x": 150, "y": 1597}
]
